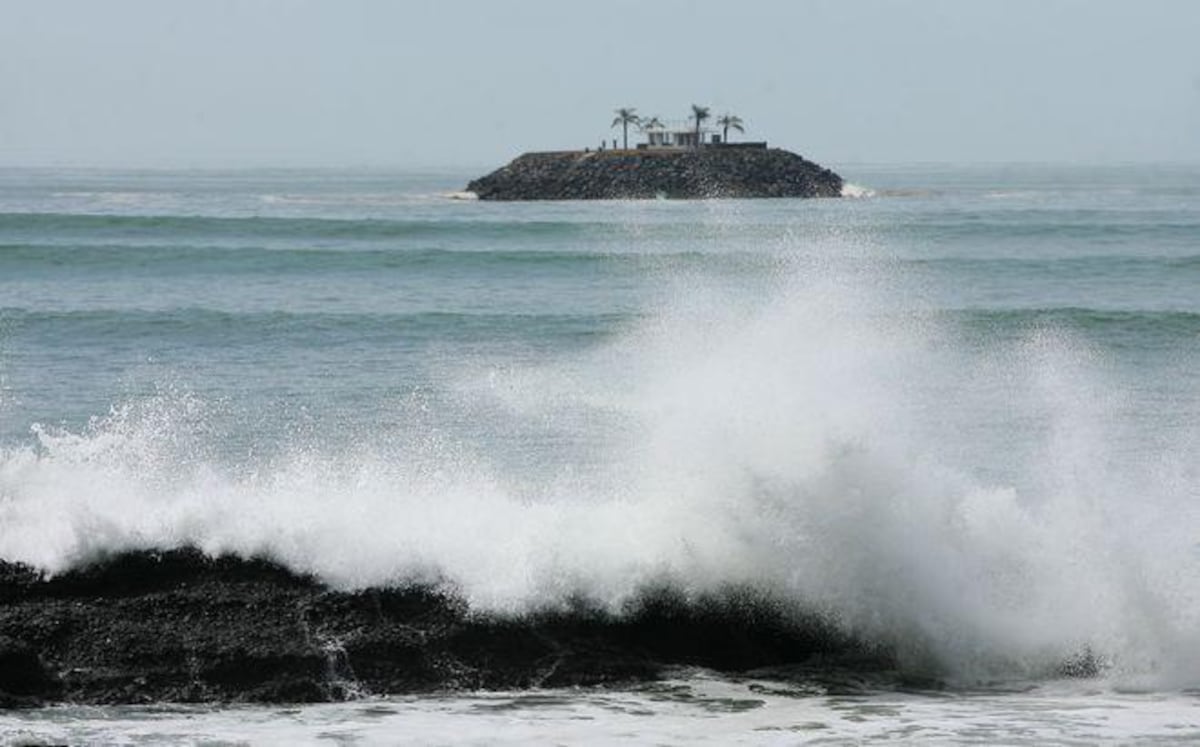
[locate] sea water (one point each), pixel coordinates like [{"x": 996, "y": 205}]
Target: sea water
[{"x": 958, "y": 413}]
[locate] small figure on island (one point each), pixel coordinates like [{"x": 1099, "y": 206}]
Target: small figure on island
[{"x": 625, "y": 117}]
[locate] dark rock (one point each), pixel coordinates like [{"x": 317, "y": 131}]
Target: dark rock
[
  {"x": 646, "y": 174},
  {"x": 24, "y": 679},
  {"x": 181, "y": 626}
]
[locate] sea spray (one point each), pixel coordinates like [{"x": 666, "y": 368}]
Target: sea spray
[
  {"x": 859, "y": 415},
  {"x": 780, "y": 442}
]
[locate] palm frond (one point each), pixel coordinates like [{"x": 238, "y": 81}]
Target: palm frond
[
  {"x": 625, "y": 115},
  {"x": 731, "y": 121}
]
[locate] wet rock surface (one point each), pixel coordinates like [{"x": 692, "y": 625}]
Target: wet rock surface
[
  {"x": 184, "y": 627},
  {"x": 710, "y": 172}
]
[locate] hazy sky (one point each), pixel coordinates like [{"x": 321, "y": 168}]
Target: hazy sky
[{"x": 217, "y": 83}]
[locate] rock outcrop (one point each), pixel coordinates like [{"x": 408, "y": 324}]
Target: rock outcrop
[
  {"x": 180, "y": 626},
  {"x": 712, "y": 171}
]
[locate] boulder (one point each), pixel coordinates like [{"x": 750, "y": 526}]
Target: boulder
[{"x": 180, "y": 626}]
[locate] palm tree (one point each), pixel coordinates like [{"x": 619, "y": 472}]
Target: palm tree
[
  {"x": 626, "y": 117},
  {"x": 699, "y": 113},
  {"x": 650, "y": 124},
  {"x": 726, "y": 121},
  {"x": 653, "y": 123}
]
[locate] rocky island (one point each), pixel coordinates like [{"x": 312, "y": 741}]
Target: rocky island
[
  {"x": 677, "y": 161},
  {"x": 737, "y": 171}
]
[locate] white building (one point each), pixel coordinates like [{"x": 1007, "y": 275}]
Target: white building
[{"x": 676, "y": 135}]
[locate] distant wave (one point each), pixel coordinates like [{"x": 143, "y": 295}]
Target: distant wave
[
  {"x": 1003, "y": 228},
  {"x": 83, "y": 230},
  {"x": 1017, "y": 228},
  {"x": 1114, "y": 329},
  {"x": 65, "y": 225},
  {"x": 184, "y": 319},
  {"x": 197, "y": 326}
]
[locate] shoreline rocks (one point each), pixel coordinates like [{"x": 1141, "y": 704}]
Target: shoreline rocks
[
  {"x": 726, "y": 171},
  {"x": 180, "y": 626}
]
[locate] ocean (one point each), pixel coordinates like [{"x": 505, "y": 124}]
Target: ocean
[{"x": 958, "y": 414}]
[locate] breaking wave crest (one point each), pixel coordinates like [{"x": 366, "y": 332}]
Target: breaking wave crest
[{"x": 974, "y": 510}]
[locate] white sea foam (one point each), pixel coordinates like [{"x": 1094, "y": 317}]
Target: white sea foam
[
  {"x": 805, "y": 442},
  {"x": 694, "y": 710},
  {"x": 855, "y": 190}
]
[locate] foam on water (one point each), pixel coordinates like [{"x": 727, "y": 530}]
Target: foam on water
[
  {"x": 693, "y": 710},
  {"x": 856, "y": 190},
  {"x": 809, "y": 442}
]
